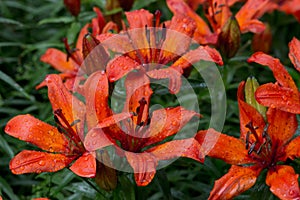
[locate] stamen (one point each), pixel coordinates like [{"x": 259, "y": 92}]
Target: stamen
[
  {"x": 140, "y": 110},
  {"x": 251, "y": 149},
  {"x": 67, "y": 129},
  {"x": 156, "y": 19},
  {"x": 71, "y": 52}
]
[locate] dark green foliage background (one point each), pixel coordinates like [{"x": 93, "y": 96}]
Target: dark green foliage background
[{"x": 29, "y": 27}]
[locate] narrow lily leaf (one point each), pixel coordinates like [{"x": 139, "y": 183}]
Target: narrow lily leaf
[
  {"x": 10, "y": 21},
  {"x": 5, "y": 187},
  {"x": 64, "y": 20},
  {"x": 15, "y": 85}
]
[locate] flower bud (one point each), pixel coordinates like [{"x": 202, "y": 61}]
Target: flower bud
[
  {"x": 262, "y": 41},
  {"x": 106, "y": 177},
  {"x": 229, "y": 38},
  {"x": 73, "y": 6},
  {"x": 250, "y": 88},
  {"x": 95, "y": 56}
]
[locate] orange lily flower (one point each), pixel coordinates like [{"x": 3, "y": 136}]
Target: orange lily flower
[
  {"x": 262, "y": 145},
  {"x": 61, "y": 144},
  {"x": 218, "y": 12},
  {"x": 69, "y": 63},
  {"x": 144, "y": 49},
  {"x": 283, "y": 94},
  {"x": 133, "y": 131}
]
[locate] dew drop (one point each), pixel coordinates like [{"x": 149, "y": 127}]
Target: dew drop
[
  {"x": 291, "y": 192},
  {"x": 284, "y": 97},
  {"x": 22, "y": 168},
  {"x": 51, "y": 133},
  {"x": 7, "y": 128},
  {"x": 42, "y": 163},
  {"x": 94, "y": 142},
  {"x": 272, "y": 106}
]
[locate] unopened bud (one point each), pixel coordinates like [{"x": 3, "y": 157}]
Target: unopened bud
[
  {"x": 95, "y": 56},
  {"x": 250, "y": 88},
  {"x": 262, "y": 41},
  {"x": 73, "y": 6},
  {"x": 229, "y": 38},
  {"x": 106, "y": 177}
]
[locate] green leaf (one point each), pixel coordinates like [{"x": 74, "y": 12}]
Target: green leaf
[
  {"x": 5, "y": 147},
  {"x": 64, "y": 20},
  {"x": 15, "y": 85},
  {"x": 73, "y": 32},
  {"x": 10, "y": 21},
  {"x": 142, "y": 4},
  {"x": 7, "y": 189},
  {"x": 125, "y": 189}
]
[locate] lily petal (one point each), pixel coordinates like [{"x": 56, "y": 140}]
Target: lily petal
[
  {"x": 292, "y": 150},
  {"x": 294, "y": 53},
  {"x": 201, "y": 53},
  {"x": 249, "y": 114},
  {"x": 81, "y": 35},
  {"x": 138, "y": 89},
  {"x": 237, "y": 180},
  {"x": 202, "y": 29},
  {"x": 224, "y": 147},
  {"x": 274, "y": 96},
  {"x": 96, "y": 139},
  {"x": 61, "y": 98},
  {"x": 120, "y": 66},
  {"x": 181, "y": 30},
  {"x": 282, "y": 126},
  {"x": 280, "y": 73},
  {"x": 58, "y": 60},
  {"x": 253, "y": 26},
  {"x": 283, "y": 182},
  {"x": 96, "y": 91},
  {"x": 85, "y": 166},
  {"x": 36, "y": 162},
  {"x": 139, "y": 18},
  {"x": 189, "y": 148},
  {"x": 173, "y": 75},
  {"x": 167, "y": 122},
  {"x": 144, "y": 167},
  {"x": 34, "y": 131}
]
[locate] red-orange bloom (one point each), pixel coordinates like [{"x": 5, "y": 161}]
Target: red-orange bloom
[
  {"x": 149, "y": 48},
  {"x": 61, "y": 144},
  {"x": 69, "y": 63},
  {"x": 283, "y": 94},
  {"x": 262, "y": 145},
  {"x": 218, "y": 12},
  {"x": 133, "y": 131}
]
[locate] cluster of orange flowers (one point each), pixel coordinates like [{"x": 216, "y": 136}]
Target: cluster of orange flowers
[{"x": 146, "y": 50}]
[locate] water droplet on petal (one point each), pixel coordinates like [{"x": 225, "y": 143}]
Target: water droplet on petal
[{"x": 42, "y": 163}]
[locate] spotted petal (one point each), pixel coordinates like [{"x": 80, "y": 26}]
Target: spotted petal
[
  {"x": 249, "y": 114},
  {"x": 280, "y": 73},
  {"x": 58, "y": 60},
  {"x": 282, "y": 126},
  {"x": 167, "y": 122},
  {"x": 237, "y": 180},
  {"x": 96, "y": 90},
  {"x": 224, "y": 147},
  {"x": 283, "y": 182},
  {"x": 274, "y": 96},
  {"x": 144, "y": 167},
  {"x": 202, "y": 32},
  {"x": 34, "y": 131},
  {"x": 85, "y": 166},
  {"x": 189, "y": 148},
  {"x": 294, "y": 53},
  {"x": 37, "y": 162}
]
